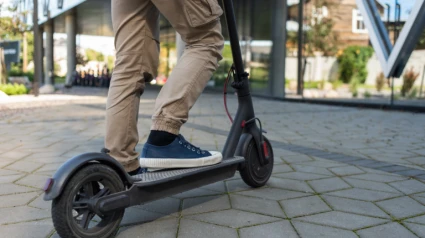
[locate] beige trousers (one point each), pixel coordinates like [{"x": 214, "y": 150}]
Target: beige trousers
[{"x": 136, "y": 29}]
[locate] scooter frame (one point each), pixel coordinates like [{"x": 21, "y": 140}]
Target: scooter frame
[{"x": 144, "y": 188}]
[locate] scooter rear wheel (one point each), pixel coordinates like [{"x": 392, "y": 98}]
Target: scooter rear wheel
[
  {"x": 253, "y": 173},
  {"x": 71, "y": 214}
]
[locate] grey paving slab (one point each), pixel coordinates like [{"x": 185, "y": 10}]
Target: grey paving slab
[
  {"x": 308, "y": 230},
  {"x": 328, "y": 184},
  {"x": 377, "y": 186},
  {"x": 24, "y": 166},
  {"x": 363, "y": 194},
  {"x": 412, "y": 172},
  {"x": 199, "y": 192},
  {"x": 237, "y": 185},
  {"x": 40, "y": 203},
  {"x": 420, "y": 160},
  {"x": 418, "y": 219},
  {"x": 420, "y": 194},
  {"x": 343, "y": 220},
  {"x": 355, "y": 206},
  {"x": 13, "y": 200},
  {"x": 205, "y": 204},
  {"x": 346, "y": 170},
  {"x": 378, "y": 177},
  {"x": 419, "y": 151},
  {"x": 6, "y": 162},
  {"x": 227, "y": 218},
  {"x": 6, "y": 172},
  {"x": 34, "y": 229},
  {"x": 160, "y": 228},
  {"x": 290, "y": 184},
  {"x": 297, "y": 158},
  {"x": 10, "y": 178},
  {"x": 322, "y": 164},
  {"x": 402, "y": 207},
  {"x": 419, "y": 199},
  {"x": 272, "y": 230},
  {"x": 196, "y": 229},
  {"x": 311, "y": 169},
  {"x": 20, "y": 214},
  {"x": 33, "y": 180},
  {"x": 310, "y": 138},
  {"x": 304, "y": 206},
  {"x": 218, "y": 186},
  {"x": 164, "y": 206},
  {"x": 282, "y": 168},
  {"x": 418, "y": 229},
  {"x": 14, "y": 154},
  {"x": 409, "y": 186},
  {"x": 51, "y": 167},
  {"x": 257, "y": 205},
  {"x": 300, "y": 176},
  {"x": 135, "y": 215},
  {"x": 390, "y": 230},
  {"x": 8, "y": 188},
  {"x": 273, "y": 193}
]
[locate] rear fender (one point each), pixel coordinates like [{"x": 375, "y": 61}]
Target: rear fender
[{"x": 70, "y": 167}]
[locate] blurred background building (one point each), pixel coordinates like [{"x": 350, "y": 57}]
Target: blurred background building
[{"x": 337, "y": 59}]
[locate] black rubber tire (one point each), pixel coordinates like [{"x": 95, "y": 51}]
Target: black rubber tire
[
  {"x": 252, "y": 173},
  {"x": 62, "y": 219}
]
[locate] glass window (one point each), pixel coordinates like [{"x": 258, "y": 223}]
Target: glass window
[{"x": 358, "y": 23}]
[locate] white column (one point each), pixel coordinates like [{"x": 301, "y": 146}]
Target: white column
[
  {"x": 71, "y": 32},
  {"x": 48, "y": 52}
]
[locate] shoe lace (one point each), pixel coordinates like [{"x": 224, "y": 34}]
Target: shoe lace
[{"x": 190, "y": 146}]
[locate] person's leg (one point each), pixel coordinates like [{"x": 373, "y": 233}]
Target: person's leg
[
  {"x": 199, "y": 25},
  {"x": 135, "y": 24}
]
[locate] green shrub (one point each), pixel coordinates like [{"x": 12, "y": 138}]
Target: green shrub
[
  {"x": 409, "y": 79},
  {"x": 312, "y": 85},
  {"x": 354, "y": 87},
  {"x": 352, "y": 63},
  {"x": 380, "y": 81},
  {"x": 367, "y": 94},
  {"x": 336, "y": 84},
  {"x": 13, "y": 89},
  {"x": 16, "y": 71}
]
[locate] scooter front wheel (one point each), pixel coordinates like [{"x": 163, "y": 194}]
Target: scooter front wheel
[
  {"x": 253, "y": 173},
  {"x": 71, "y": 212}
]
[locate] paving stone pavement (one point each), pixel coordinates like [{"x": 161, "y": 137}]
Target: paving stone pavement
[{"x": 339, "y": 172}]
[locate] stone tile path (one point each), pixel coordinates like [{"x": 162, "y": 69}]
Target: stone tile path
[{"x": 339, "y": 172}]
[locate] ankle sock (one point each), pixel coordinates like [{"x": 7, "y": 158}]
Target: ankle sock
[
  {"x": 161, "y": 138},
  {"x": 134, "y": 172}
]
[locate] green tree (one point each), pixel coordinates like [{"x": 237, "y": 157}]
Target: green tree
[
  {"x": 93, "y": 55},
  {"x": 14, "y": 28},
  {"x": 320, "y": 35}
]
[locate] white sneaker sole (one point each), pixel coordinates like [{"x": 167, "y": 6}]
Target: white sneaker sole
[{"x": 166, "y": 163}]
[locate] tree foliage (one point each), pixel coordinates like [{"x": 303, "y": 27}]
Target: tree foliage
[
  {"x": 320, "y": 35},
  {"x": 93, "y": 55},
  {"x": 13, "y": 27}
]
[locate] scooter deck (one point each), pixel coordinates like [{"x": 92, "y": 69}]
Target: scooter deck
[
  {"x": 160, "y": 176},
  {"x": 156, "y": 185}
]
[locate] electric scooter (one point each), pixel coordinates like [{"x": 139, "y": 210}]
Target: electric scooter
[{"x": 91, "y": 191}]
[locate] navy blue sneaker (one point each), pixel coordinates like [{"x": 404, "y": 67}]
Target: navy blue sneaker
[{"x": 179, "y": 154}]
